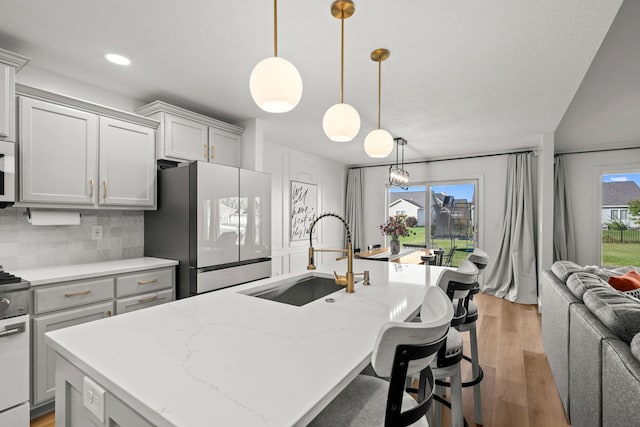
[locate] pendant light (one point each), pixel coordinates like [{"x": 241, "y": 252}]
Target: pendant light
[
  {"x": 398, "y": 176},
  {"x": 341, "y": 122},
  {"x": 379, "y": 142},
  {"x": 275, "y": 83}
]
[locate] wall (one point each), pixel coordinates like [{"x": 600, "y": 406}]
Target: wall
[
  {"x": 490, "y": 173},
  {"x": 23, "y": 245},
  {"x": 285, "y": 165},
  {"x": 583, "y": 172}
]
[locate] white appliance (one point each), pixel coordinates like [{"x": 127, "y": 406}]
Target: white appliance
[
  {"x": 7, "y": 173},
  {"x": 214, "y": 219},
  {"x": 14, "y": 351}
]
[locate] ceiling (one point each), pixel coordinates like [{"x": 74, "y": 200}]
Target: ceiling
[{"x": 464, "y": 77}]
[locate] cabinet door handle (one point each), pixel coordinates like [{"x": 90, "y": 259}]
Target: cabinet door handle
[
  {"x": 206, "y": 151},
  {"x": 104, "y": 193},
  {"x": 91, "y": 193},
  {"x": 108, "y": 313},
  {"x": 148, "y": 299},
  {"x": 213, "y": 155},
  {"x": 147, "y": 282},
  {"x": 78, "y": 293}
]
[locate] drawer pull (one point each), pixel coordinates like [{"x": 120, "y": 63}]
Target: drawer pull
[
  {"x": 108, "y": 313},
  {"x": 148, "y": 299},
  {"x": 77, "y": 294},
  {"x": 147, "y": 282}
]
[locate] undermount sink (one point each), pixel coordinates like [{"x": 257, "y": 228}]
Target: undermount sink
[{"x": 297, "y": 292}]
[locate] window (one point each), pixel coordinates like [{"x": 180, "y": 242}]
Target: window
[{"x": 620, "y": 238}]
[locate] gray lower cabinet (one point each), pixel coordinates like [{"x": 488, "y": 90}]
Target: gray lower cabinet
[
  {"x": 44, "y": 357},
  {"x": 70, "y": 409},
  {"x": 138, "y": 302},
  {"x": 64, "y": 304}
]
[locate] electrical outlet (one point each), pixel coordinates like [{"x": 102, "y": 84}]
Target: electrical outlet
[
  {"x": 93, "y": 398},
  {"x": 96, "y": 232}
]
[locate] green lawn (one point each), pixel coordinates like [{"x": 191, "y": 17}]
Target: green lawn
[
  {"x": 620, "y": 254},
  {"x": 445, "y": 244}
]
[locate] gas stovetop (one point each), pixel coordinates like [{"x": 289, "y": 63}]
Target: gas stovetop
[{"x": 10, "y": 282}]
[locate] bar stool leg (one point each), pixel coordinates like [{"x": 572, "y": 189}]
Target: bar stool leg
[
  {"x": 437, "y": 412},
  {"x": 475, "y": 369},
  {"x": 457, "y": 417}
]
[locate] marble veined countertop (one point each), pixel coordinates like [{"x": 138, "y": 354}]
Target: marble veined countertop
[
  {"x": 63, "y": 273},
  {"x": 229, "y": 359}
]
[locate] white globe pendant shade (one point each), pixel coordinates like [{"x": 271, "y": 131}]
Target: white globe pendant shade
[
  {"x": 378, "y": 143},
  {"x": 276, "y": 85},
  {"x": 341, "y": 122}
]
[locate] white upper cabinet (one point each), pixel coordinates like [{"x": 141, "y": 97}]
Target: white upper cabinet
[
  {"x": 186, "y": 136},
  {"x": 224, "y": 147},
  {"x": 127, "y": 163},
  {"x": 185, "y": 139},
  {"x": 58, "y": 153},
  {"x": 10, "y": 63},
  {"x": 74, "y": 153}
]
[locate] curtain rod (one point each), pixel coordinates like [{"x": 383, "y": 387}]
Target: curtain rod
[
  {"x": 443, "y": 160},
  {"x": 597, "y": 150}
]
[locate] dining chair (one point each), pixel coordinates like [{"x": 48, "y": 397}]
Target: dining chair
[
  {"x": 449, "y": 258},
  {"x": 438, "y": 253},
  {"x": 457, "y": 284},
  {"x": 402, "y": 350}
]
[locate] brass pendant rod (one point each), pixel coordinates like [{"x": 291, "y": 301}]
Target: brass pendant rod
[
  {"x": 275, "y": 27},
  {"x": 342, "y": 61},
  {"x": 379, "y": 89}
]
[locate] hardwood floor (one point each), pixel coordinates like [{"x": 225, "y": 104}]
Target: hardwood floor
[{"x": 518, "y": 388}]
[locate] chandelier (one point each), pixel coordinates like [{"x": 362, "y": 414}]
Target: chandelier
[{"x": 398, "y": 176}]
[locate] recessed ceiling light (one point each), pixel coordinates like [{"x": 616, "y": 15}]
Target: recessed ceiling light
[{"x": 117, "y": 59}]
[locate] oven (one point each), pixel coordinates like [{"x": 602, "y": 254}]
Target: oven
[
  {"x": 7, "y": 173},
  {"x": 14, "y": 351}
]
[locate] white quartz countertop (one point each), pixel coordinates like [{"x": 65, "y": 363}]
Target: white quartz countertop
[
  {"x": 229, "y": 359},
  {"x": 63, "y": 273}
]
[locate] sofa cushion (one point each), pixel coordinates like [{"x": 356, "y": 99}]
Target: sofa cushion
[
  {"x": 564, "y": 269},
  {"x": 635, "y": 346},
  {"x": 578, "y": 283},
  {"x": 626, "y": 282},
  {"x": 617, "y": 311}
]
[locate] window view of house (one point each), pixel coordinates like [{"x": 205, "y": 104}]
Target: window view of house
[
  {"x": 445, "y": 219},
  {"x": 620, "y": 218}
]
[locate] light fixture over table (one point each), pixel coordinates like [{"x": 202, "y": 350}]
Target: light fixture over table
[
  {"x": 275, "y": 83},
  {"x": 379, "y": 142},
  {"x": 341, "y": 122},
  {"x": 398, "y": 176}
]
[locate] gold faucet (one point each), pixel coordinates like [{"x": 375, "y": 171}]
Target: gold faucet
[{"x": 348, "y": 279}]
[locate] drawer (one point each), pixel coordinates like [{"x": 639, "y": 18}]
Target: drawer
[
  {"x": 72, "y": 295},
  {"x": 148, "y": 281},
  {"x": 143, "y": 301}
]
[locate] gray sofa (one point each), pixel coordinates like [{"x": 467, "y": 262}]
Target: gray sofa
[{"x": 591, "y": 335}]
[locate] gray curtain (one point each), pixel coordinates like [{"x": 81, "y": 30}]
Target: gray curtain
[
  {"x": 513, "y": 274},
  {"x": 564, "y": 243},
  {"x": 354, "y": 206}
]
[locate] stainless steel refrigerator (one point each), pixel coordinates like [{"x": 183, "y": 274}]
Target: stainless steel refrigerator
[{"x": 215, "y": 220}]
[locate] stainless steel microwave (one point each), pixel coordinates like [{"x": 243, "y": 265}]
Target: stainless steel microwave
[{"x": 7, "y": 173}]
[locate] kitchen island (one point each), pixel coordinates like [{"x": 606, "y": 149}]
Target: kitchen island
[{"x": 228, "y": 358}]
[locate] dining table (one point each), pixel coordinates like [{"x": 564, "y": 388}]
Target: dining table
[{"x": 407, "y": 255}]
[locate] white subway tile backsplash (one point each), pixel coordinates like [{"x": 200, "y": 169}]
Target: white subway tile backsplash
[{"x": 23, "y": 245}]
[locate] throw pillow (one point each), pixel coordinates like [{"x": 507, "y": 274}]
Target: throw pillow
[
  {"x": 578, "y": 283},
  {"x": 634, "y": 293},
  {"x": 628, "y": 282},
  {"x": 564, "y": 269},
  {"x": 620, "y": 313},
  {"x": 635, "y": 346}
]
